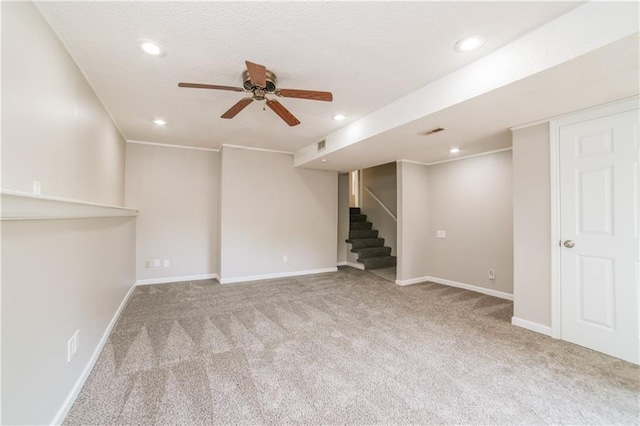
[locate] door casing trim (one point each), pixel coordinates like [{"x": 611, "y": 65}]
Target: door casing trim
[{"x": 612, "y": 108}]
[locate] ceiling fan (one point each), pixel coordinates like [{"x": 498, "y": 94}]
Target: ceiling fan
[{"x": 261, "y": 82}]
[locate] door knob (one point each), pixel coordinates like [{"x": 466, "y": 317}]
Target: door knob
[{"x": 569, "y": 244}]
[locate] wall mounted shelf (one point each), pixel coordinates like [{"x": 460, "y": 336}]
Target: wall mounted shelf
[{"x": 24, "y": 206}]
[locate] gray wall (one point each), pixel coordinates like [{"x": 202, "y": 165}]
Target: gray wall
[
  {"x": 413, "y": 221},
  {"x": 532, "y": 224},
  {"x": 176, "y": 191},
  {"x": 343, "y": 216},
  {"x": 58, "y": 276},
  {"x": 470, "y": 199},
  {"x": 382, "y": 181},
  {"x": 54, "y": 128},
  {"x": 269, "y": 209}
]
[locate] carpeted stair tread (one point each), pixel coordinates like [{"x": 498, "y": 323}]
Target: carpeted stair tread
[
  {"x": 363, "y": 233},
  {"x": 378, "y": 262},
  {"x": 366, "y": 242},
  {"x": 358, "y": 218},
  {"x": 365, "y": 253},
  {"x": 360, "y": 225}
]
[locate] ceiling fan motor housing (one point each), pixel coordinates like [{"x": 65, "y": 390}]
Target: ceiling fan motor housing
[{"x": 271, "y": 82}]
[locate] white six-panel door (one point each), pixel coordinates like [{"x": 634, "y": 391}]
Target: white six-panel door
[{"x": 600, "y": 248}]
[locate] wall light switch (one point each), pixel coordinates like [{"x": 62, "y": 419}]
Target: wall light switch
[
  {"x": 285, "y": 258},
  {"x": 156, "y": 262},
  {"x": 166, "y": 263},
  {"x": 37, "y": 187},
  {"x": 441, "y": 234}
]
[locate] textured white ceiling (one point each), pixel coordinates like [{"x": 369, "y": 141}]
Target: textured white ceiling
[{"x": 367, "y": 53}]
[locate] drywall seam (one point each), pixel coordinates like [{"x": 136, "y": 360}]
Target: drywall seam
[
  {"x": 75, "y": 390},
  {"x": 450, "y": 283}
]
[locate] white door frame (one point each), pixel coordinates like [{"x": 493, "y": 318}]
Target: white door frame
[{"x": 612, "y": 108}]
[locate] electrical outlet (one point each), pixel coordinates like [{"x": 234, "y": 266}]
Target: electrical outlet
[
  {"x": 73, "y": 344},
  {"x": 70, "y": 349},
  {"x": 76, "y": 336},
  {"x": 166, "y": 263},
  {"x": 147, "y": 264},
  {"x": 492, "y": 274},
  {"x": 37, "y": 187},
  {"x": 285, "y": 258},
  {"x": 156, "y": 262}
]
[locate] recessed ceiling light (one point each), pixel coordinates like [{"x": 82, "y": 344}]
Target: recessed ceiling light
[
  {"x": 338, "y": 117},
  {"x": 470, "y": 43},
  {"x": 324, "y": 160},
  {"x": 454, "y": 150},
  {"x": 150, "y": 47},
  {"x": 159, "y": 122}
]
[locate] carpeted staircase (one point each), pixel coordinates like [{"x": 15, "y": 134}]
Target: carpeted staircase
[{"x": 364, "y": 241}]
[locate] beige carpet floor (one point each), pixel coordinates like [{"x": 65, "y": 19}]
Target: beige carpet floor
[{"x": 343, "y": 348}]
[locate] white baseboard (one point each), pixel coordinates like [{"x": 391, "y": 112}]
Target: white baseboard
[
  {"x": 356, "y": 265},
  {"x": 477, "y": 289},
  {"x": 276, "y": 275},
  {"x": 75, "y": 390},
  {"x": 353, "y": 265},
  {"x": 178, "y": 279},
  {"x": 533, "y": 326}
]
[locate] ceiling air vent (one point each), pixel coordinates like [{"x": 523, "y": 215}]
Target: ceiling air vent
[
  {"x": 322, "y": 145},
  {"x": 432, "y": 131}
]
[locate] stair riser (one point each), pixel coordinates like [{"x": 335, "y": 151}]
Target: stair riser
[
  {"x": 354, "y": 210},
  {"x": 367, "y": 242},
  {"x": 364, "y": 233},
  {"x": 378, "y": 262},
  {"x": 373, "y": 252},
  {"x": 358, "y": 218},
  {"x": 360, "y": 225}
]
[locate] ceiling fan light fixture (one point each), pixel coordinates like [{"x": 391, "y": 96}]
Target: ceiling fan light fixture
[
  {"x": 470, "y": 43},
  {"x": 338, "y": 117},
  {"x": 150, "y": 47}
]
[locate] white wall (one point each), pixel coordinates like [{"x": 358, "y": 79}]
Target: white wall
[
  {"x": 382, "y": 181},
  {"x": 343, "y": 217},
  {"x": 532, "y": 224},
  {"x": 176, "y": 192},
  {"x": 269, "y": 209},
  {"x": 471, "y": 200},
  {"x": 58, "y": 276}
]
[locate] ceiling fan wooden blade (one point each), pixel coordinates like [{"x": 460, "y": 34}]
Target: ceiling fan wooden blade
[
  {"x": 239, "y": 106},
  {"x": 211, "y": 86},
  {"x": 284, "y": 113},
  {"x": 257, "y": 74},
  {"x": 305, "y": 94}
]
